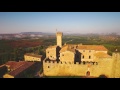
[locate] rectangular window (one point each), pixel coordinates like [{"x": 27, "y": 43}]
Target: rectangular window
[
  {"x": 89, "y": 57},
  {"x": 83, "y": 56}
]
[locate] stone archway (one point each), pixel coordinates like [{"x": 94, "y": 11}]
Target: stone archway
[{"x": 88, "y": 73}]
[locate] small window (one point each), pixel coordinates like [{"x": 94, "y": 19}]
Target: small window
[
  {"x": 83, "y": 50},
  {"x": 89, "y": 50},
  {"x": 50, "y": 56},
  {"x": 89, "y": 57},
  {"x": 48, "y": 51},
  {"x": 62, "y": 54},
  {"x": 83, "y": 56},
  {"x": 48, "y": 66}
]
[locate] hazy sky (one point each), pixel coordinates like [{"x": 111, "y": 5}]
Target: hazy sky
[{"x": 67, "y": 22}]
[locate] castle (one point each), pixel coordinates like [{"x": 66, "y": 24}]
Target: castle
[{"x": 78, "y": 60}]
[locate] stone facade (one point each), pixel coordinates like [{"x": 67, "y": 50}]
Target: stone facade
[
  {"x": 67, "y": 56},
  {"x": 33, "y": 57},
  {"x": 52, "y": 52},
  {"x": 59, "y": 38},
  {"x": 104, "y": 66},
  {"x": 78, "y": 59},
  {"x": 74, "y": 52}
]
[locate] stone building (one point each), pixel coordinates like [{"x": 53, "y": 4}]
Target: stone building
[
  {"x": 52, "y": 52},
  {"x": 69, "y": 53},
  {"x": 59, "y": 38},
  {"x": 79, "y": 59},
  {"x": 19, "y": 69},
  {"x": 33, "y": 57},
  {"x": 74, "y": 52}
]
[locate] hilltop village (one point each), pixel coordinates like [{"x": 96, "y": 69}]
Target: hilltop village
[{"x": 65, "y": 60}]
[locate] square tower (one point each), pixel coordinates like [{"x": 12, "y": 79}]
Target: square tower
[{"x": 59, "y": 38}]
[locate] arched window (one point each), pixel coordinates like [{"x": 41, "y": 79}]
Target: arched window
[{"x": 88, "y": 73}]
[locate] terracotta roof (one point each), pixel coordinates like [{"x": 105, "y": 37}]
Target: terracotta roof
[
  {"x": 33, "y": 55},
  {"x": 13, "y": 64},
  {"x": 102, "y": 55},
  {"x": 92, "y": 47},
  {"x": 21, "y": 68},
  {"x": 67, "y": 48},
  {"x": 72, "y": 47}
]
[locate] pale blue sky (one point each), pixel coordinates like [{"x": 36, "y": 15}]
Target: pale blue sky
[{"x": 71, "y": 22}]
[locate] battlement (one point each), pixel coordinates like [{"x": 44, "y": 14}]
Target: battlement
[
  {"x": 70, "y": 63},
  {"x": 59, "y": 33}
]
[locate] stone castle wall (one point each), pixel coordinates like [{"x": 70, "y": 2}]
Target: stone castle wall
[
  {"x": 109, "y": 67},
  {"x": 51, "y": 53}
]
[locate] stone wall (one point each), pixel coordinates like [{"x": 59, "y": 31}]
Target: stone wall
[
  {"x": 51, "y": 53},
  {"x": 59, "y": 39},
  {"x": 31, "y": 58},
  {"x": 67, "y": 56},
  {"x": 109, "y": 67}
]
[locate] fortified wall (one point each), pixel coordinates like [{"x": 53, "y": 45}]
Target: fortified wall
[{"x": 109, "y": 67}]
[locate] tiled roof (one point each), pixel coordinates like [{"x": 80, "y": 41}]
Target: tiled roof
[
  {"x": 67, "y": 48},
  {"x": 23, "y": 67},
  {"x": 92, "y": 47},
  {"x": 102, "y": 55},
  {"x": 13, "y": 64},
  {"x": 72, "y": 47},
  {"x": 33, "y": 55}
]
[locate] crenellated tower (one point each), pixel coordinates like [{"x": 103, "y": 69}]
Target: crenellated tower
[{"x": 59, "y": 38}]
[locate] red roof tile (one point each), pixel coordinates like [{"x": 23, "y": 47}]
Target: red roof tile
[
  {"x": 13, "y": 64},
  {"x": 23, "y": 67},
  {"x": 92, "y": 47}
]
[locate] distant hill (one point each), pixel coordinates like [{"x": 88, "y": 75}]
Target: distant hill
[
  {"x": 37, "y": 33},
  {"x": 31, "y": 33}
]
